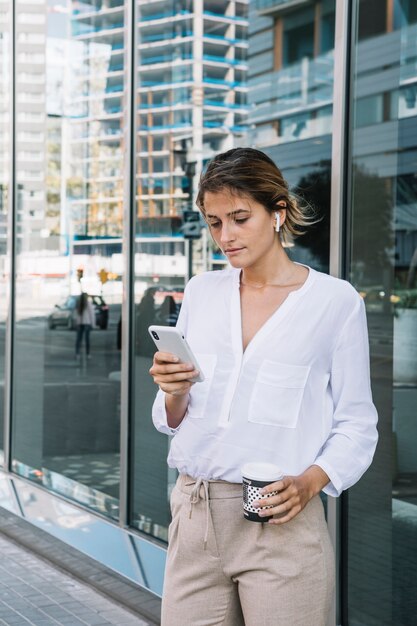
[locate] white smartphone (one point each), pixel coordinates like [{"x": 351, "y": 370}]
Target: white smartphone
[{"x": 170, "y": 339}]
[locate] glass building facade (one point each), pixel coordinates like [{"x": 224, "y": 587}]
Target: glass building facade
[{"x": 109, "y": 110}]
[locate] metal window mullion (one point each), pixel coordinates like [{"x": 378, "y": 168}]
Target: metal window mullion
[
  {"x": 11, "y": 237},
  {"x": 129, "y": 215},
  {"x": 339, "y": 249}
]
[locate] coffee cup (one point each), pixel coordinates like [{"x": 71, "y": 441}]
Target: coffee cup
[{"x": 255, "y": 476}]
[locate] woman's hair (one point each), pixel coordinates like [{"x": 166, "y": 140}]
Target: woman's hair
[
  {"x": 250, "y": 172},
  {"x": 82, "y": 302}
]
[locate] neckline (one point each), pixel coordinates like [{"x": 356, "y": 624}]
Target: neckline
[
  {"x": 267, "y": 326},
  {"x": 238, "y": 271}
]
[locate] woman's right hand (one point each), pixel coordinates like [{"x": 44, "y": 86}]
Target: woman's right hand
[{"x": 172, "y": 376}]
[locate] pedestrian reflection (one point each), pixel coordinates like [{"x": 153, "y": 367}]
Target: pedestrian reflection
[
  {"x": 168, "y": 312},
  {"x": 85, "y": 319},
  {"x": 145, "y": 316}
]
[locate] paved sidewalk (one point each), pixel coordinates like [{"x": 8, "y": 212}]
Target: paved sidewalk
[{"x": 33, "y": 592}]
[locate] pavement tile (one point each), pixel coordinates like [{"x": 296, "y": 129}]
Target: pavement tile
[
  {"x": 71, "y": 620},
  {"x": 35, "y": 593},
  {"x": 17, "y": 620}
]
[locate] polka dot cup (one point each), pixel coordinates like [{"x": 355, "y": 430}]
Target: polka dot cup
[{"x": 254, "y": 477}]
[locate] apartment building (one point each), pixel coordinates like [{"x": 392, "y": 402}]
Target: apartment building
[{"x": 191, "y": 102}]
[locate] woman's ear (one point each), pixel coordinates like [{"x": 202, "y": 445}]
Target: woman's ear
[{"x": 280, "y": 214}]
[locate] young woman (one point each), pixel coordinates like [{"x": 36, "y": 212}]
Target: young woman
[
  {"x": 284, "y": 352},
  {"x": 85, "y": 318}
]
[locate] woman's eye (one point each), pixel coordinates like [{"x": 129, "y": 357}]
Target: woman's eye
[
  {"x": 214, "y": 224},
  {"x": 241, "y": 220}
]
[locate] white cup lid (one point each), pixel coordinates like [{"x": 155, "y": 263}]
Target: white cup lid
[{"x": 262, "y": 471}]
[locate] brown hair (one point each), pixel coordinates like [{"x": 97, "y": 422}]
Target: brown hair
[
  {"x": 82, "y": 303},
  {"x": 252, "y": 173}
]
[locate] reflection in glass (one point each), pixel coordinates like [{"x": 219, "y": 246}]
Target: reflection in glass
[
  {"x": 5, "y": 40},
  {"x": 291, "y": 93},
  {"x": 191, "y": 104},
  {"x": 67, "y": 390},
  {"x": 382, "y": 518}
]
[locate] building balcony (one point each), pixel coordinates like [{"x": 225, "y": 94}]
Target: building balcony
[
  {"x": 99, "y": 200},
  {"x": 211, "y": 58},
  {"x": 273, "y": 7},
  {"x": 224, "y": 105},
  {"x": 157, "y": 40},
  {"x": 163, "y": 60},
  {"x": 91, "y": 32},
  {"x": 163, "y": 18},
  {"x": 163, "y": 128},
  {"x": 161, "y": 107},
  {"x": 303, "y": 86},
  {"x": 110, "y": 113},
  {"x": 111, "y": 135},
  {"x": 227, "y": 19},
  {"x": 225, "y": 40},
  {"x": 228, "y": 84},
  {"x": 146, "y": 85},
  {"x": 154, "y": 153},
  {"x": 96, "y": 12}
]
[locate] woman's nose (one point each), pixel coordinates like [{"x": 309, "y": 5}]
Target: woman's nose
[{"x": 227, "y": 233}]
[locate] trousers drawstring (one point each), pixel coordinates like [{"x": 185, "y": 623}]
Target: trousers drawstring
[{"x": 195, "y": 498}]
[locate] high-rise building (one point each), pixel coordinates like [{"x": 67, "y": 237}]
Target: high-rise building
[
  {"x": 191, "y": 96},
  {"x": 191, "y": 103},
  {"x": 290, "y": 81},
  {"x": 30, "y": 108}
]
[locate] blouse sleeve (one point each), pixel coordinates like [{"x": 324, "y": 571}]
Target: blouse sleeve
[
  {"x": 159, "y": 415},
  {"x": 350, "y": 447}
]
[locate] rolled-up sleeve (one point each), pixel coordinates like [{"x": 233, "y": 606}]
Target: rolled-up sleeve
[
  {"x": 350, "y": 447},
  {"x": 159, "y": 415}
]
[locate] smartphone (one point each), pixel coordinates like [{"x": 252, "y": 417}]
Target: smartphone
[{"x": 170, "y": 339}]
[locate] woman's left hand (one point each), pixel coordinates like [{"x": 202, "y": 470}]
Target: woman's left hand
[{"x": 294, "y": 493}]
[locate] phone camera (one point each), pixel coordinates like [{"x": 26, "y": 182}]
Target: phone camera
[{"x": 155, "y": 335}]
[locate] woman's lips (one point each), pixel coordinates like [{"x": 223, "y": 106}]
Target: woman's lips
[{"x": 233, "y": 251}]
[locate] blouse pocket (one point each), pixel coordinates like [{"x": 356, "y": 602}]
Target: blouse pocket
[
  {"x": 277, "y": 394},
  {"x": 199, "y": 393}
]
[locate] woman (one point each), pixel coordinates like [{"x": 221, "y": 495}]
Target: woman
[
  {"x": 145, "y": 316},
  {"x": 167, "y": 314},
  {"x": 85, "y": 318},
  {"x": 284, "y": 352}
]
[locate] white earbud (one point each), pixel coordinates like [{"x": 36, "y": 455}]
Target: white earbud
[{"x": 277, "y": 225}]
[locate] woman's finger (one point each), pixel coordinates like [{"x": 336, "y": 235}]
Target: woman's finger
[
  {"x": 279, "y": 485},
  {"x": 281, "y": 509},
  {"x": 165, "y": 357},
  {"x": 175, "y": 377},
  {"x": 157, "y": 370}
]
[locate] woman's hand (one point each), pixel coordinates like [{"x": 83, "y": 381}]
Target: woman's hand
[
  {"x": 171, "y": 375},
  {"x": 294, "y": 493}
]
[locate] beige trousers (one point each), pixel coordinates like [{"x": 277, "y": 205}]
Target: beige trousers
[{"x": 223, "y": 570}]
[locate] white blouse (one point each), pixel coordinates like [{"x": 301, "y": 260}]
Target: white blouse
[{"x": 298, "y": 395}]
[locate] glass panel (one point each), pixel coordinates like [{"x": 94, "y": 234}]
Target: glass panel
[
  {"x": 382, "y": 511},
  {"x": 70, "y": 177},
  {"x": 290, "y": 114},
  {"x": 5, "y": 41},
  {"x": 186, "y": 112}
]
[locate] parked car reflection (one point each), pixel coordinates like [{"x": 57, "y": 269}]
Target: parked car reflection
[
  {"x": 400, "y": 298},
  {"x": 64, "y": 314}
]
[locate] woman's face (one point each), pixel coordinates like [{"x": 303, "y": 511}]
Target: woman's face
[{"x": 241, "y": 227}]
